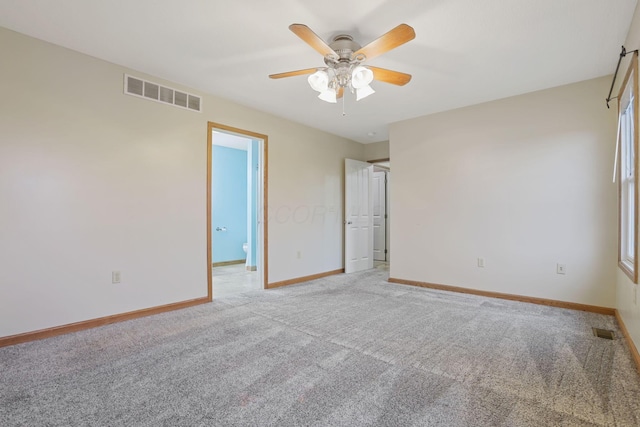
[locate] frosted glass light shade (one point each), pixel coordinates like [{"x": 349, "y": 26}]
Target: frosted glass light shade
[
  {"x": 328, "y": 95},
  {"x": 319, "y": 81},
  {"x": 361, "y": 77},
  {"x": 363, "y": 92}
]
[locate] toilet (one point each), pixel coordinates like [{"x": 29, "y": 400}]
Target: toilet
[{"x": 245, "y": 247}]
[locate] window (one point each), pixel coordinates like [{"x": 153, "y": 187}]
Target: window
[{"x": 628, "y": 184}]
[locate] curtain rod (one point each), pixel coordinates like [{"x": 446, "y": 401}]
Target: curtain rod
[{"x": 623, "y": 53}]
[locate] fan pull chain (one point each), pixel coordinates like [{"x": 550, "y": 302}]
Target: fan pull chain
[{"x": 343, "y": 113}]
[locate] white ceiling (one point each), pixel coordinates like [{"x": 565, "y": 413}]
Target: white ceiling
[{"x": 465, "y": 51}]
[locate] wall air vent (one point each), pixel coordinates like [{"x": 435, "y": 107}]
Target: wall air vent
[{"x": 155, "y": 92}]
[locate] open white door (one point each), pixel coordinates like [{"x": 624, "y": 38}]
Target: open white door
[
  {"x": 379, "y": 216},
  {"x": 358, "y": 233}
]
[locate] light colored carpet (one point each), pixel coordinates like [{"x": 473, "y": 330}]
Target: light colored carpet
[{"x": 341, "y": 351}]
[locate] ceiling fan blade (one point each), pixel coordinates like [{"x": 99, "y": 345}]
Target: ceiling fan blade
[
  {"x": 312, "y": 39},
  {"x": 293, "y": 73},
  {"x": 390, "y": 76},
  {"x": 340, "y": 93},
  {"x": 394, "y": 38}
]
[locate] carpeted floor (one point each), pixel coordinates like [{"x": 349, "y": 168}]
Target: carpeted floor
[{"x": 341, "y": 351}]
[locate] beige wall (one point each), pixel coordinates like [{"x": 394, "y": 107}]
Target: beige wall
[
  {"x": 92, "y": 180},
  {"x": 376, "y": 150},
  {"x": 524, "y": 182},
  {"x": 626, "y": 301}
]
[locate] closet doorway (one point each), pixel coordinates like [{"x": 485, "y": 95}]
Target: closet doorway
[{"x": 381, "y": 213}]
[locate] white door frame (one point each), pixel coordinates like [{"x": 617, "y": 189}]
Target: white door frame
[
  {"x": 380, "y": 199},
  {"x": 387, "y": 206},
  {"x": 385, "y": 164}
]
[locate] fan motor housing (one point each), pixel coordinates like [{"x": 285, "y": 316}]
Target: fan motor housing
[{"x": 344, "y": 46}]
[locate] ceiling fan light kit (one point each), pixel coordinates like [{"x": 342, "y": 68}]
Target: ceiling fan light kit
[
  {"x": 343, "y": 59},
  {"x": 326, "y": 82}
]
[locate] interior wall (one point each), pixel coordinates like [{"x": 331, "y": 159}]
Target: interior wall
[
  {"x": 376, "y": 150},
  {"x": 229, "y": 199},
  {"x": 523, "y": 182},
  {"x": 626, "y": 290},
  {"x": 93, "y": 180}
]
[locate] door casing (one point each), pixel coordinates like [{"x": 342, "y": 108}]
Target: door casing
[{"x": 379, "y": 215}]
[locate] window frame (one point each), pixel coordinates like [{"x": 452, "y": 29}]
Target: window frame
[{"x": 628, "y": 264}]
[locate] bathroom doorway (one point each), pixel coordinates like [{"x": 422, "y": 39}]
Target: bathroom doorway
[{"x": 236, "y": 222}]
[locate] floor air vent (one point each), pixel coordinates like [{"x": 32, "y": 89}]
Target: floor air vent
[
  {"x": 604, "y": 333},
  {"x": 166, "y": 95}
]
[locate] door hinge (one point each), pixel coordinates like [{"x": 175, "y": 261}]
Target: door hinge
[
  {"x": 385, "y": 216},
  {"x": 385, "y": 251}
]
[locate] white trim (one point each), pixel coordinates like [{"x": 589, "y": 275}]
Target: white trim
[
  {"x": 627, "y": 147},
  {"x": 615, "y": 158}
]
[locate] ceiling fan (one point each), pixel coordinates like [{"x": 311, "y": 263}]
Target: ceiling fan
[{"x": 343, "y": 57}]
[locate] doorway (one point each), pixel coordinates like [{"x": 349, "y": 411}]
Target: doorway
[
  {"x": 381, "y": 213},
  {"x": 366, "y": 222},
  {"x": 236, "y": 218}
]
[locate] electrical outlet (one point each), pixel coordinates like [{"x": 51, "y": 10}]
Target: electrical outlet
[
  {"x": 561, "y": 269},
  {"x": 481, "y": 262},
  {"x": 115, "y": 277}
]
